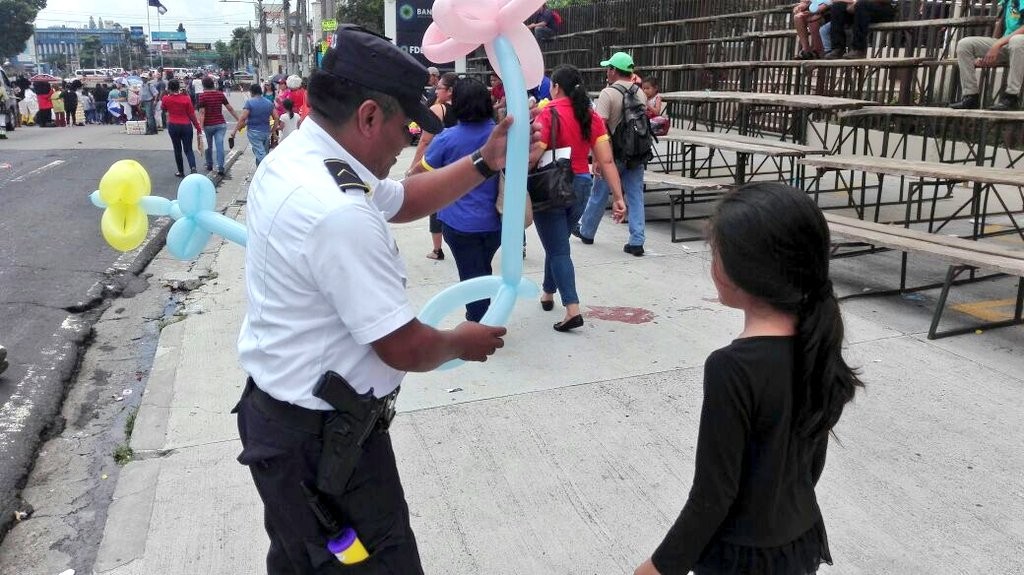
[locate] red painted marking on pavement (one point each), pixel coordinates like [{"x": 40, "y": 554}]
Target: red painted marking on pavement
[{"x": 631, "y": 315}]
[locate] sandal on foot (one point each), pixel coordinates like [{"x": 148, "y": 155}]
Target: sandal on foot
[{"x": 435, "y": 255}]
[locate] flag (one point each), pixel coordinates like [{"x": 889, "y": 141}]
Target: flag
[{"x": 159, "y": 7}]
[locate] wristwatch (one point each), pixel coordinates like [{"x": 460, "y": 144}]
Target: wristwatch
[{"x": 481, "y": 165}]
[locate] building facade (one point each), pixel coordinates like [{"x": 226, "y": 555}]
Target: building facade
[{"x": 68, "y": 41}]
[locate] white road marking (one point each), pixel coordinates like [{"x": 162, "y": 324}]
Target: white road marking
[{"x": 52, "y": 164}]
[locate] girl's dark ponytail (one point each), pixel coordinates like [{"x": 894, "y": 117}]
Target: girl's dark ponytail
[
  {"x": 824, "y": 382},
  {"x": 773, "y": 243},
  {"x": 570, "y": 81}
]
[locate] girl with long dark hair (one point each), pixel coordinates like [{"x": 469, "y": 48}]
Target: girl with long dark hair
[
  {"x": 581, "y": 130},
  {"x": 771, "y": 397}
]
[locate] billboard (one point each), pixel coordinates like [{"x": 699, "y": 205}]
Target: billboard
[
  {"x": 414, "y": 16},
  {"x": 168, "y": 36},
  {"x": 136, "y": 33},
  {"x": 199, "y": 46}
]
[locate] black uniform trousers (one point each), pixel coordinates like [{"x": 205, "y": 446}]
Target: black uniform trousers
[
  {"x": 281, "y": 454},
  {"x": 865, "y": 12}
]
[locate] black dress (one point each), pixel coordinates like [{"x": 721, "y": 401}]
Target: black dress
[{"x": 752, "y": 507}]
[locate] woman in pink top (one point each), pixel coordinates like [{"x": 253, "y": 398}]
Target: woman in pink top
[{"x": 181, "y": 117}]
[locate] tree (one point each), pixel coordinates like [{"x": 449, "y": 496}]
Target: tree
[
  {"x": 99, "y": 23},
  {"x": 242, "y": 45},
  {"x": 57, "y": 62},
  {"x": 90, "y": 51},
  {"x": 181, "y": 27},
  {"x": 16, "y": 17},
  {"x": 366, "y": 13},
  {"x": 92, "y": 23},
  {"x": 225, "y": 55}
]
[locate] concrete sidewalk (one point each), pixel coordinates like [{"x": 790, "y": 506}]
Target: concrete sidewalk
[{"x": 573, "y": 453}]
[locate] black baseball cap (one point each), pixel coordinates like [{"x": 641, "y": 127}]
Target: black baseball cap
[{"x": 362, "y": 57}]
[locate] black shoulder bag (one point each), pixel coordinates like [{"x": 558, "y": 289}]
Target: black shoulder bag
[{"x": 551, "y": 187}]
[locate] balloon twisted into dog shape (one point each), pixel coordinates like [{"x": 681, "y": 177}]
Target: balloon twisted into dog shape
[
  {"x": 124, "y": 197},
  {"x": 459, "y": 27}
]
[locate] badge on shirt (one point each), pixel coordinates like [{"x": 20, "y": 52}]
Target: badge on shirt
[{"x": 345, "y": 176}]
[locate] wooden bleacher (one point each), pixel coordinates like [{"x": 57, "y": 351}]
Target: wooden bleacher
[
  {"x": 961, "y": 255},
  {"x": 730, "y": 47}
]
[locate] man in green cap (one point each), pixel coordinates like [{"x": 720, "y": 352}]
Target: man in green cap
[{"x": 610, "y": 106}]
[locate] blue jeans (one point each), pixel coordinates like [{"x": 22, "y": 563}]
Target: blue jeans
[
  {"x": 150, "y": 108},
  {"x": 633, "y": 192},
  {"x": 826, "y": 36},
  {"x": 215, "y": 138},
  {"x": 554, "y": 227},
  {"x": 473, "y": 253},
  {"x": 260, "y": 144}
]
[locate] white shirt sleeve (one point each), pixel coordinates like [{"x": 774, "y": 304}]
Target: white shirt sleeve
[
  {"x": 355, "y": 264},
  {"x": 389, "y": 197}
]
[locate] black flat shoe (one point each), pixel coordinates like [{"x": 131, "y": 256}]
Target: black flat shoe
[
  {"x": 547, "y": 305},
  {"x": 571, "y": 323},
  {"x": 179, "y": 175}
]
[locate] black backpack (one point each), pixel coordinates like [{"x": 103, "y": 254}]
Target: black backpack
[{"x": 633, "y": 139}]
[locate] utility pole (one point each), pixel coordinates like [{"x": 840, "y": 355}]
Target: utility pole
[{"x": 264, "y": 59}]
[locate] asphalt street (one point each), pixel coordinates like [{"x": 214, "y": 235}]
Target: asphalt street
[{"x": 57, "y": 272}]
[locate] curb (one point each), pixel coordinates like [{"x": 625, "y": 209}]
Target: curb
[
  {"x": 127, "y": 525},
  {"x": 39, "y": 396}
]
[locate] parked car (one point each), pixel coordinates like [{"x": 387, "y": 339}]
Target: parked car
[{"x": 243, "y": 80}]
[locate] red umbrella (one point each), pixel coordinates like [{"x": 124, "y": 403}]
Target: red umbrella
[{"x": 44, "y": 78}]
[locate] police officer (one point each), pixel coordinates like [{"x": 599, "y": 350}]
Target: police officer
[{"x": 329, "y": 332}]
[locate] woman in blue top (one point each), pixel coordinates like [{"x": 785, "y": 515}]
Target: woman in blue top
[
  {"x": 256, "y": 116},
  {"x": 471, "y": 226}
]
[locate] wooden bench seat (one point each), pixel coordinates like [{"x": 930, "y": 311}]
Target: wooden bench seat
[
  {"x": 958, "y": 22},
  {"x": 738, "y": 144},
  {"x": 933, "y": 112},
  {"x": 717, "y": 17},
  {"x": 960, "y": 254},
  {"x": 916, "y": 169},
  {"x": 584, "y": 33},
  {"x": 683, "y": 135},
  {"x": 682, "y": 191}
]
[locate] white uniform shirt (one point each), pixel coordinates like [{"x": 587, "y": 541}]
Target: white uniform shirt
[{"x": 322, "y": 272}]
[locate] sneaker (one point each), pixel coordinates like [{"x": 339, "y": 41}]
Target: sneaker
[
  {"x": 969, "y": 102},
  {"x": 220, "y": 173},
  {"x": 856, "y": 55},
  {"x": 633, "y": 250},
  {"x": 835, "y": 54},
  {"x": 584, "y": 239},
  {"x": 1006, "y": 103}
]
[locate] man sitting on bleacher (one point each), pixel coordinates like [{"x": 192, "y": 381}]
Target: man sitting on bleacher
[
  {"x": 859, "y": 14},
  {"x": 1006, "y": 47}
]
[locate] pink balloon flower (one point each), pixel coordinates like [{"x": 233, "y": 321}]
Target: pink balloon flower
[{"x": 462, "y": 25}]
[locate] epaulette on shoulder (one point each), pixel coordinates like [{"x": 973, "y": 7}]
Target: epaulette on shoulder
[{"x": 345, "y": 176}]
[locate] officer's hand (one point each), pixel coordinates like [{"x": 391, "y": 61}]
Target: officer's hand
[
  {"x": 477, "y": 341},
  {"x": 493, "y": 149}
]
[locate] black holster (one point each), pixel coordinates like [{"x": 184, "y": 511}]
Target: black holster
[{"x": 356, "y": 416}]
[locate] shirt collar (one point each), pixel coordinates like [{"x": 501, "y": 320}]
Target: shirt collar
[{"x": 332, "y": 149}]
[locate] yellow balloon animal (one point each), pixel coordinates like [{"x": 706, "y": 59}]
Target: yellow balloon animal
[{"x": 124, "y": 223}]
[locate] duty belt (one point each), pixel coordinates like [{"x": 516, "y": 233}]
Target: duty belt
[{"x": 309, "y": 420}]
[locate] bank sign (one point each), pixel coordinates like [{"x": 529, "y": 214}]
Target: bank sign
[{"x": 414, "y": 16}]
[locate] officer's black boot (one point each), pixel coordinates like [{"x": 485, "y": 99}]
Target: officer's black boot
[{"x": 969, "y": 102}]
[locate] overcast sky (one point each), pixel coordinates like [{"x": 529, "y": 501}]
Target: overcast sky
[{"x": 204, "y": 20}]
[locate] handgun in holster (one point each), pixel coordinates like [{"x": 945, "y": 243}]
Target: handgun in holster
[{"x": 355, "y": 417}]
